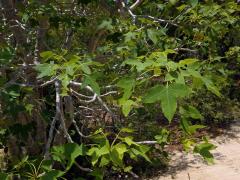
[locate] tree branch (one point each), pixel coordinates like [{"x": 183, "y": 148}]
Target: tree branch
[
  {"x": 134, "y": 16},
  {"x": 59, "y": 113},
  {"x": 147, "y": 142},
  {"x": 48, "y": 82},
  {"x": 50, "y": 138},
  {"x": 78, "y": 130},
  {"x": 97, "y": 96},
  {"x": 186, "y": 49},
  {"x": 134, "y": 5},
  {"x": 83, "y": 168}
]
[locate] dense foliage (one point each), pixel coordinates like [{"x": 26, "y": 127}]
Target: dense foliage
[{"x": 89, "y": 88}]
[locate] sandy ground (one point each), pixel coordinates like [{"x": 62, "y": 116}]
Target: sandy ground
[{"x": 227, "y": 161}]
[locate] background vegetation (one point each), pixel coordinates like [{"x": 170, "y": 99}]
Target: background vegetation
[{"x": 96, "y": 88}]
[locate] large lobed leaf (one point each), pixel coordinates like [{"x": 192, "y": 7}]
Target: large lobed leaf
[{"x": 167, "y": 95}]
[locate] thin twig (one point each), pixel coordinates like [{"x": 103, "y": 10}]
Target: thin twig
[
  {"x": 84, "y": 107},
  {"x": 59, "y": 112},
  {"x": 83, "y": 168},
  {"x": 108, "y": 93},
  {"x": 147, "y": 142},
  {"x": 48, "y": 82},
  {"x": 78, "y": 130},
  {"x": 186, "y": 49},
  {"x": 93, "y": 98},
  {"x": 67, "y": 43},
  {"x": 50, "y": 138},
  {"x": 134, "y": 175},
  {"x": 80, "y": 95},
  {"x": 134, "y": 16},
  {"x": 134, "y": 5},
  {"x": 97, "y": 96},
  {"x": 156, "y": 19}
]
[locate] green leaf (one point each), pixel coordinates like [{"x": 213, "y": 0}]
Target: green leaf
[
  {"x": 104, "y": 150},
  {"x": 169, "y": 77},
  {"x": 46, "y": 55},
  {"x": 180, "y": 79},
  {"x": 162, "y": 138},
  {"x": 68, "y": 152},
  {"x": 168, "y": 97},
  {"x": 126, "y": 106},
  {"x": 100, "y": 130},
  {"x": 187, "y": 144},
  {"x": 22, "y": 162},
  {"x": 29, "y": 108},
  {"x": 127, "y": 84},
  {"x": 98, "y": 174},
  {"x": 97, "y": 152},
  {"x": 187, "y": 61},
  {"x": 168, "y": 104},
  {"x": 140, "y": 66},
  {"x": 70, "y": 69},
  {"x": 105, "y": 160},
  {"x": 191, "y": 112},
  {"x": 185, "y": 125},
  {"x": 85, "y": 68},
  {"x": 194, "y": 128},
  {"x": 204, "y": 150},
  {"x": 46, "y": 70},
  {"x": 173, "y": 2},
  {"x": 210, "y": 86},
  {"x": 127, "y": 130},
  {"x": 127, "y": 169},
  {"x": 179, "y": 90},
  {"x": 130, "y": 36},
  {"x": 117, "y": 154},
  {"x": 120, "y": 148},
  {"x": 129, "y": 141},
  {"x": 194, "y": 73},
  {"x": 193, "y": 3},
  {"x": 116, "y": 158},
  {"x": 53, "y": 175},
  {"x": 106, "y": 24},
  {"x": 188, "y": 128},
  {"x": 153, "y": 95},
  {"x": 140, "y": 151},
  {"x": 47, "y": 165},
  {"x": 4, "y": 176},
  {"x": 6, "y": 55},
  {"x": 153, "y": 35},
  {"x": 65, "y": 80},
  {"x": 93, "y": 152},
  {"x": 172, "y": 66},
  {"x": 92, "y": 83}
]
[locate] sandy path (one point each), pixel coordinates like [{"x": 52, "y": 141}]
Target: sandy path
[{"x": 227, "y": 161}]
